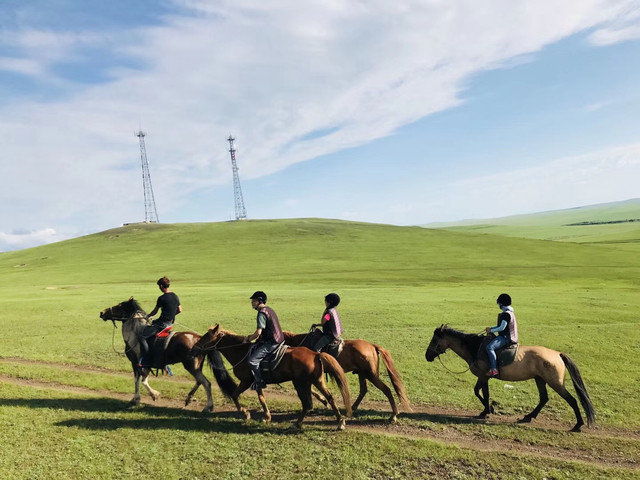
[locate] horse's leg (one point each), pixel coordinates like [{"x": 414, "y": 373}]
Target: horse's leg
[
  {"x": 363, "y": 391},
  {"x": 544, "y": 398},
  {"x": 322, "y": 387},
  {"x": 136, "y": 382},
  {"x": 387, "y": 391},
  {"x": 318, "y": 397},
  {"x": 483, "y": 384},
  {"x": 200, "y": 380},
  {"x": 564, "y": 393},
  {"x": 265, "y": 408},
  {"x": 303, "y": 388},
  {"x": 244, "y": 384},
  {"x": 155, "y": 395}
]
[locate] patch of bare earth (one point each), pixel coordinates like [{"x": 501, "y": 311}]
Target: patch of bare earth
[{"x": 418, "y": 426}]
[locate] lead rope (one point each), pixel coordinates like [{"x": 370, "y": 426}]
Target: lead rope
[{"x": 113, "y": 342}]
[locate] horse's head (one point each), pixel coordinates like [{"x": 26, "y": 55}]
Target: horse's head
[
  {"x": 121, "y": 312},
  {"x": 438, "y": 344},
  {"x": 208, "y": 341}
]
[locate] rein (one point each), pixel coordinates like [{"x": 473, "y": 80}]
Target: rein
[{"x": 445, "y": 367}]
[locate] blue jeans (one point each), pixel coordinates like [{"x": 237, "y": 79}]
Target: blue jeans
[
  {"x": 494, "y": 345},
  {"x": 257, "y": 353}
]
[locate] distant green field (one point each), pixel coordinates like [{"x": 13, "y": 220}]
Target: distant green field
[
  {"x": 397, "y": 284},
  {"x": 613, "y": 223}
]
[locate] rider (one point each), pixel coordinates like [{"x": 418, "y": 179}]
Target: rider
[
  {"x": 169, "y": 303},
  {"x": 330, "y": 322},
  {"x": 507, "y": 330},
  {"x": 268, "y": 336}
]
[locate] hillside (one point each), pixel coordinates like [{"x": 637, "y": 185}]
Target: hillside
[
  {"x": 305, "y": 251},
  {"x": 610, "y": 223}
]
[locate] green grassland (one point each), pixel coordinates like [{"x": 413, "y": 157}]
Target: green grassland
[
  {"x": 611, "y": 223},
  {"x": 397, "y": 284}
]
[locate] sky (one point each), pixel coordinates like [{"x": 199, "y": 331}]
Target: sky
[{"x": 405, "y": 112}]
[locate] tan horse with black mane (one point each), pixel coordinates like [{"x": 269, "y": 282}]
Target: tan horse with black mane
[
  {"x": 134, "y": 319},
  {"x": 299, "y": 365},
  {"x": 545, "y": 366},
  {"x": 363, "y": 358}
]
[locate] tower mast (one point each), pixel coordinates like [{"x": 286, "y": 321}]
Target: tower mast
[
  {"x": 150, "y": 212},
  {"x": 241, "y": 212}
]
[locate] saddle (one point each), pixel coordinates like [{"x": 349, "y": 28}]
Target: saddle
[
  {"x": 505, "y": 355},
  {"x": 333, "y": 348},
  {"x": 271, "y": 362},
  {"x": 158, "y": 344}
]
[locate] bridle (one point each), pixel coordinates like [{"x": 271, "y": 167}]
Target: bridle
[{"x": 439, "y": 353}]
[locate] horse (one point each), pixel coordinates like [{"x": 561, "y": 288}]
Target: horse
[
  {"x": 363, "y": 358},
  {"x": 134, "y": 319},
  {"x": 299, "y": 365},
  {"x": 544, "y": 365}
]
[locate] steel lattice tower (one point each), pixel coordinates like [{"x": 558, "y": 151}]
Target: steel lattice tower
[
  {"x": 150, "y": 212},
  {"x": 241, "y": 213}
]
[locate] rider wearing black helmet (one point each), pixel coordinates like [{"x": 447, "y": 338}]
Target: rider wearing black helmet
[
  {"x": 507, "y": 330},
  {"x": 330, "y": 322},
  {"x": 268, "y": 336}
]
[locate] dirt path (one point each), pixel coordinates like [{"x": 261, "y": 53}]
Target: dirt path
[{"x": 418, "y": 424}]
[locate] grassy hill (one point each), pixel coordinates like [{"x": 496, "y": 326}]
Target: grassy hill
[
  {"x": 397, "y": 284},
  {"x": 610, "y": 223}
]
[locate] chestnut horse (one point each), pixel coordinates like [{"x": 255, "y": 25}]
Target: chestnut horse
[
  {"x": 299, "y": 365},
  {"x": 544, "y": 365},
  {"x": 134, "y": 319},
  {"x": 363, "y": 358}
]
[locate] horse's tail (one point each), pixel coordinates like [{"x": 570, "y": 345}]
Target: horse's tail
[
  {"x": 225, "y": 381},
  {"x": 581, "y": 390},
  {"x": 394, "y": 376},
  {"x": 333, "y": 368}
]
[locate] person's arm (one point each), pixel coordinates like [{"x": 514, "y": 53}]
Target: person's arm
[
  {"x": 262, "y": 323},
  {"x": 499, "y": 328},
  {"x": 253, "y": 336},
  {"x": 179, "y": 309},
  {"x": 155, "y": 309},
  {"x": 325, "y": 318}
]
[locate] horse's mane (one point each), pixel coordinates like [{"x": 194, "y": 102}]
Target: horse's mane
[{"x": 471, "y": 340}]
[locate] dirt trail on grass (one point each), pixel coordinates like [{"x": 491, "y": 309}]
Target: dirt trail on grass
[{"x": 444, "y": 425}]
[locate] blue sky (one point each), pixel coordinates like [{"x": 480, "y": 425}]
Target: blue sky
[{"x": 405, "y": 112}]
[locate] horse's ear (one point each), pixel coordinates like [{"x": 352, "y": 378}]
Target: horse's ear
[
  {"x": 130, "y": 299},
  {"x": 213, "y": 327}
]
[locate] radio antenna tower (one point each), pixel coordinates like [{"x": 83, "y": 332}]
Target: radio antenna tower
[
  {"x": 150, "y": 212},
  {"x": 241, "y": 213}
]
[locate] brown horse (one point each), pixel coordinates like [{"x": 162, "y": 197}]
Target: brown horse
[
  {"x": 299, "y": 365},
  {"x": 544, "y": 365},
  {"x": 134, "y": 319},
  {"x": 363, "y": 358}
]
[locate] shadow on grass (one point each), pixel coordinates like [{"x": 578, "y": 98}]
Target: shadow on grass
[
  {"x": 378, "y": 417},
  {"x": 164, "y": 418}
]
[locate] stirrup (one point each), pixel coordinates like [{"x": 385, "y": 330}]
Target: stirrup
[{"x": 493, "y": 372}]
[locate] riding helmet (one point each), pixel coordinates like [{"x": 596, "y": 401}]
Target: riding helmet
[
  {"x": 333, "y": 299},
  {"x": 504, "y": 300},
  {"x": 260, "y": 296}
]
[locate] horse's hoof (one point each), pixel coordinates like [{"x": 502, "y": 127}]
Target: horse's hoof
[
  {"x": 341, "y": 426},
  {"x": 207, "y": 410},
  {"x": 525, "y": 419},
  {"x": 393, "y": 419},
  {"x": 482, "y": 416},
  {"x": 577, "y": 428}
]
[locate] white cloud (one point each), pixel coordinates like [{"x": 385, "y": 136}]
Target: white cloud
[
  {"x": 270, "y": 73},
  {"x": 20, "y": 240}
]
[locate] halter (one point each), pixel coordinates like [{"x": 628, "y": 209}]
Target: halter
[{"x": 442, "y": 363}]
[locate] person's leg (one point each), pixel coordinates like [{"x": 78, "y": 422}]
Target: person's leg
[
  {"x": 494, "y": 345},
  {"x": 322, "y": 342},
  {"x": 148, "y": 332},
  {"x": 258, "y": 353}
]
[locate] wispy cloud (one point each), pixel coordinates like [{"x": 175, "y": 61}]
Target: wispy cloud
[{"x": 273, "y": 74}]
